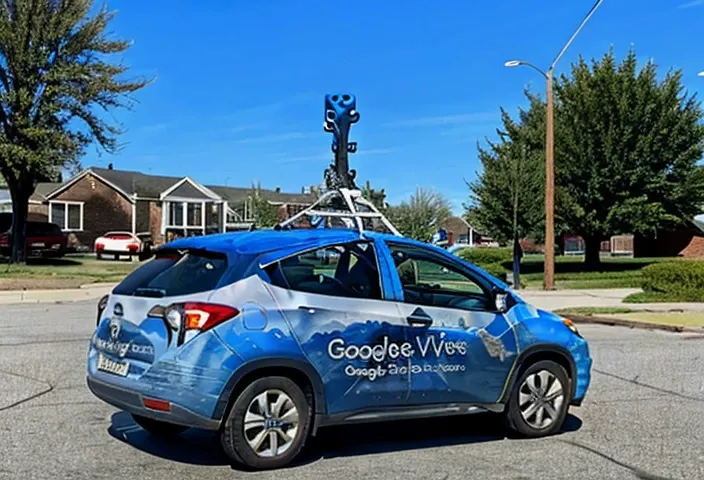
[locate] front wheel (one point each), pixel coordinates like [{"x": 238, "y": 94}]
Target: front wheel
[
  {"x": 158, "y": 428},
  {"x": 539, "y": 400},
  {"x": 268, "y": 424}
]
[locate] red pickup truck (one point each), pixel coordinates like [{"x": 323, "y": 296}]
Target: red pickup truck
[{"x": 44, "y": 239}]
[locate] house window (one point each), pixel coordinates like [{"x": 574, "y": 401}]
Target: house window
[
  {"x": 175, "y": 218},
  {"x": 67, "y": 215},
  {"x": 195, "y": 211},
  {"x": 185, "y": 214}
]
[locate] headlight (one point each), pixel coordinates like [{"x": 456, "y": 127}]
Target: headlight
[{"x": 569, "y": 324}]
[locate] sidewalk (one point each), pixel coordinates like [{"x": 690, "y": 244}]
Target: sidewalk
[
  {"x": 86, "y": 292},
  {"x": 547, "y": 300},
  {"x": 611, "y": 297}
]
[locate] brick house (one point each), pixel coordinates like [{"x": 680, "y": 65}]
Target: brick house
[
  {"x": 99, "y": 200},
  {"x": 460, "y": 232}
]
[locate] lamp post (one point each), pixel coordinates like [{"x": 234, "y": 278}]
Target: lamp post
[{"x": 549, "y": 274}]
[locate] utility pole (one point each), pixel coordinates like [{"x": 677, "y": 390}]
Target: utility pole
[{"x": 549, "y": 272}]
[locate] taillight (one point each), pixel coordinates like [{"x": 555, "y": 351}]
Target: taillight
[
  {"x": 101, "y": 308},
  {"x": 99, "y": 246},
  {"x": 193, "y": 316},
  {"x": 4, "y": 240},
  {"x": 133, "y": 247}
]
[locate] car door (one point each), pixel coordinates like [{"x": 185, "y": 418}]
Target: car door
[
  {"x": 334, "y": 298},
  {"x": 463, "y": 347}
]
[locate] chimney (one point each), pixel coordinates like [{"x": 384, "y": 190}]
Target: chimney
[{"x": 110, "y": 166}]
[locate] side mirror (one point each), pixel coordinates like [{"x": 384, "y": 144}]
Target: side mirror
[
  {"x": 500, "y": 301},
  {"x": 146, "y": 252}
]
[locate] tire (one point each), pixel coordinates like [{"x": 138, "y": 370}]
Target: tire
[
  {"x": 98, "y": 256},
  {"x": 158, "y": 428},
  {"x": 239, "y": 443},
  {"x": 526, "y": 420}
]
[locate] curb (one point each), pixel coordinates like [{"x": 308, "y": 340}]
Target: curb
[{"x": 618, "y": 322}]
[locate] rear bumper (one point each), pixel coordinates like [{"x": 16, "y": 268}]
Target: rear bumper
[
  {"x": 119, "y": 251},
  {"x": 132, "y": 401}
]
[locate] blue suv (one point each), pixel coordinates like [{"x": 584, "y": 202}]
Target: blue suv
[{"x": 267, "y": 336}]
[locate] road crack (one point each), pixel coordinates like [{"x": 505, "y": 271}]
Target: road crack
[
  {"x": 635, "y": 381},
  {"x": 45, "y": 342},
  {"x": 639, "y": 473},
  {"x": 48, "y": 389}
]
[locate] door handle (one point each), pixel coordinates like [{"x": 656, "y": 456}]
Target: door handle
[
  {"x": 308, "y": 309},
  {"x": 419, "y": 317}
]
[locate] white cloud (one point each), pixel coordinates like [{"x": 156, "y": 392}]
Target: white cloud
[
  {"x": 281, "y": 137},
  {"x": 455, "y": 119},
  {"x": 693, "y": 3}
]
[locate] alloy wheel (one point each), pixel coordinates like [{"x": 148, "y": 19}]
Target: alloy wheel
[
  {"x": 540, "y": 399},
  {"x": 271, "y": 423}
]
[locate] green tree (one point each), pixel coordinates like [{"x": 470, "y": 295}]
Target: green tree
[
  {"x": 54, "y": 83},
  {"x": 376, "y": 197},
  {"x": 506, "y": 199},
  {"x": 421, "y": 216},
  {"x": 627, "y": 150},
  {"x": 264, "y": 213}
]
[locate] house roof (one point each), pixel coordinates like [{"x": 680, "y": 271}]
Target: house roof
[
  {"x": 455, "y": 224},
  {"x": 132, "y": 183}
]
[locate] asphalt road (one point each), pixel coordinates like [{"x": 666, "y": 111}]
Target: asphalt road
[{"x": 643, "y": 418}]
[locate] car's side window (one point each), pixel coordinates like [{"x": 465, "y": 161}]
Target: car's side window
[
  {"x": 432, "y": 281},
  {"x": 348, "y": 270}
]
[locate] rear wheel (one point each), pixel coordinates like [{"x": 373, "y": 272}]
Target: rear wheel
[
  {"x": 539, "y": 400},
  {"x": 268, "y": 424},
  {"x": 158, "y": 428}
]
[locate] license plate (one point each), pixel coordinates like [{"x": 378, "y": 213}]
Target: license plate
[
  {"x": 111, "y": 366},
  {"x": 38, "y": 244}
]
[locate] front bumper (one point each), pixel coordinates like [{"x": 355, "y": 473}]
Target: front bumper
[
  {"x": 583, "y": 366},
  {"x": 132, "y": 401}
]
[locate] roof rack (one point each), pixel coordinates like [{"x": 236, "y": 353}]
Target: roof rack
[{"x": 346, "y": 206}]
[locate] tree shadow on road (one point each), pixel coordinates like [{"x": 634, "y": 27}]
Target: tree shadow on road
[{"x": 199, "y": 447}]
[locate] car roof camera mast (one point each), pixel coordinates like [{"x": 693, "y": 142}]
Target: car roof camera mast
[
  {"x": 341, "y": 199},
  {"x": 352, "y": 216}
]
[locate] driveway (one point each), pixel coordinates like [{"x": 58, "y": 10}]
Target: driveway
[{"x": 643, "y": 418}]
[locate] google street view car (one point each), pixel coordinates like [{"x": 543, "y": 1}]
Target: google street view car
[{"x": 266, "y": 336}]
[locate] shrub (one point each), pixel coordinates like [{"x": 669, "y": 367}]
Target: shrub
[
  {"x": 482, "y": 256},
  {"x": 680, "y": 279},
  {"x": 496, "y": 269}
]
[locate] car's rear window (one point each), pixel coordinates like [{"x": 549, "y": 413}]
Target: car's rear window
[
  {"x": 174, "y": 274},
  {"x": 5, "y": 222},
  {"x": 42, "y": 228}
]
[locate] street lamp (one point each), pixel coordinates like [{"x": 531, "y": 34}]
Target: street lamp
[{"x": 549, "y": 274}]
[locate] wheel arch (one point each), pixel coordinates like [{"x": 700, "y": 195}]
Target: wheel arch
[
  {"x": 297, "y": 370},
  {"x": 536, "y": 353}
]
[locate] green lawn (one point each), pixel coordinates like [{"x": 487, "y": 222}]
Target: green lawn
[
  {"x": 592, "y": 311},
  {"x": 571, "y": 273},
  {"x": 675, "y": 319},
  {"x": 68, "y": 272}
]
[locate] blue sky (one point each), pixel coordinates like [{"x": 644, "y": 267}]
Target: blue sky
[{"x": 238, "y": 94}]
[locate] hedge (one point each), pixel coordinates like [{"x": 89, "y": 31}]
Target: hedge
[
  {"x": 682, "y": 278},
  {"x": 491, "y": 259},
  {"x": 486, "y": 255}
]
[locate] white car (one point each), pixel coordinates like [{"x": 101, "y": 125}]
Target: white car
[{"x": 118, "y": 243}]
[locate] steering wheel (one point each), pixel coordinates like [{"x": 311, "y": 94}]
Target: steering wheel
[
  {"x": 460, "y": 300},
  {"x": 338, "y": 282}
]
